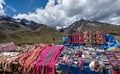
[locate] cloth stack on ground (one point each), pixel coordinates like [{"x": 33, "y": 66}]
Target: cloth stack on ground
[
  {"x": 8, "y": 47},
  {"x": 40, "y": 60},
  {"x": 7, "y": 61}
]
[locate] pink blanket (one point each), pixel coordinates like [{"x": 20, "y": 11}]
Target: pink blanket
[
  {"x": 8, "y": 47},
  {"x": 47, "y": 59}
]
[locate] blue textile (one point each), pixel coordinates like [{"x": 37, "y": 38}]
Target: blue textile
[
  {"x": 113, "y": 42},
  {"x": 75, "y": 70},
  {"x": 109, "y": 38},
  {"x": 64, "y": 40}
]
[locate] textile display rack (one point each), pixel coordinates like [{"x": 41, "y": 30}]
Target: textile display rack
[
  {"x": 89, "y": 38},
  {"x": 86, "y": 38}
]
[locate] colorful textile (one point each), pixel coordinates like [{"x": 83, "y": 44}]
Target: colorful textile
[
  {"x": 46, "y": 62},
  {"x": 27, "y": 61},
  {"x": 114, "y": 58},
  {"x": 8, "y": 47},
  {"x": 7, "y": 59},
  {"x": 88, "y": 38},
  {"x": 113, "y": 43},
  {"x": 76, "y": 60}
]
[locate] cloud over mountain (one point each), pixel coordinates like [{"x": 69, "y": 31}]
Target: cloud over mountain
[
  {"x": 65, "y": 12},
  {"x": 1, "y": 7}
]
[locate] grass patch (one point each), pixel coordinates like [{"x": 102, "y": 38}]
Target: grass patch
[{"x": 117, "y": 38}]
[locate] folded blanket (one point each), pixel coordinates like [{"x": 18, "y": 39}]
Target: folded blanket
[
  {"x": 8, "y": 47},
  {"x": 7, "y": 59},
  {"x": 27, "y": 61},
  {"x": 46, "y": 62},
  {"x": 113, "y": 58}
]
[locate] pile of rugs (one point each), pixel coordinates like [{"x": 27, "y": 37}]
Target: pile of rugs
[
  {"x": 9, "y": 56},
  {"x": 7, "y": 61},
  {"x": 25, "y": 48},
  {"x": 88, "y": 37},
  {"x": 114, "y": 59},
  {"x": 40, "y": 59}
]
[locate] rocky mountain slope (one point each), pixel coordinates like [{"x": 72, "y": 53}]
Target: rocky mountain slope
[
  {"x": 23, "y": 31},
  {"x": 83, "y": 25}
]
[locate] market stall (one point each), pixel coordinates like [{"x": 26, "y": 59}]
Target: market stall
[
  {"x": 87, "y": 53},
  {"x": 94, "y": 38},
  {"x": 81, "y": 53}
]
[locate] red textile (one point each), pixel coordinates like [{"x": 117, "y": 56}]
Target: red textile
[{"x": 27, "y": 61}]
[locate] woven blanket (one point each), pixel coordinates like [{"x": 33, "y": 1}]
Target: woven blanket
[
  {"x": 114, "y": 59},
  {"x": 8, "y": 47},
  {"x": 87, "y": 37},
  {"x": 46, "y": 62},
  {"x": 7, "y": 59},
  {"x": 27, "y": 61}
]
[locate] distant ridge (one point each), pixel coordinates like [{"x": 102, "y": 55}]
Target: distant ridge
[
  {"x": 23, "y": 31},
  {"x": 83, "y": 25}
]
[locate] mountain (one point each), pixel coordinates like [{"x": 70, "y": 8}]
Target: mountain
[
  {"x": 85, "y": 25},
  {"x": 9, "y": 25},
  {"x": 23, "y": 31},
  {"x": 29, "y": 24}
]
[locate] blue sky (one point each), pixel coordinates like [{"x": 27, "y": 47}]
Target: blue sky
[{"x": 14, "y": 7}]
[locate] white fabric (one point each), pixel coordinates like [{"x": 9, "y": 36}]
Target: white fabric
[{"x": 91, "y": 65}]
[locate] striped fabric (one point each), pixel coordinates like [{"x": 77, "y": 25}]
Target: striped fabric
[
  {"x": 114, "y": 60},
  {"x": 47, "y": 59},
  {"x": 87, "y": 37},
  {"x": 7, "y": 59},
  {"x": 27, "y": 61},
  {"x": 2, "y": 59}
]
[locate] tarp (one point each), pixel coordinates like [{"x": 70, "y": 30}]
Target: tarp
[
  {"x": 113, "y": 43},
  {"x": 75, "y": 70}
]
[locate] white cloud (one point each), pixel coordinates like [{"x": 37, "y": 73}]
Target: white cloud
[
  {"x": 69, "y": 11},
  {"x": 1, "y": 7}
]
